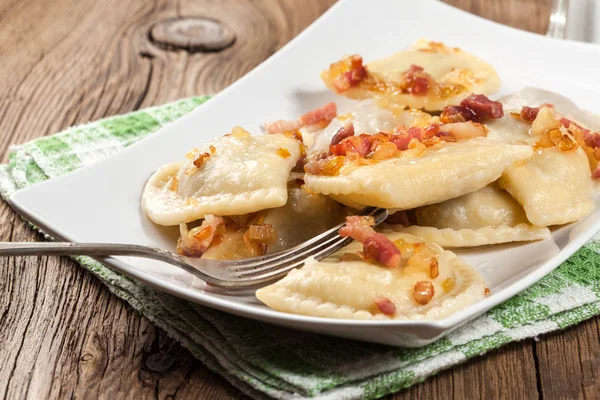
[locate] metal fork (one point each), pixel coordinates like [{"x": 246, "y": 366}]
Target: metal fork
[{"x": 226, "y": 274}]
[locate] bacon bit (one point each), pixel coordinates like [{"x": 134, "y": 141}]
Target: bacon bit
[
  {"x": 346, "y": 257},
  {"x": 385, "y": 305},
  {"x": 354, "y": 144},
  {"x": 376, "y": 246},
  {"x": 281, "y": 126},
  {"x": 452, "y": 114},
  {"x": 448, "y": 284},
  {"x": 596, "y": 173},
  {"x": 342, "y": 133},
  {"x": 476, "y": 108},
  {"x": 529, "y": 113},
  {"x": 195, "y": 242},
  {"x": 483, "y": 107},
  {"x": 434, "y": 269},
  {"x": 486, "y": 291},
  {"x": 423, "y": 292},
  {"x": 319, "y": 115},
  {"x": 283, "y": 152},
  {"x": 398, "y": 218},
  {"x": 418, "y": 82},
  {"x": 401, "y": 138},
  {"x": 591, "y": 139},
  {"x": 347, "y": 73},
  {"x": 265, "y": 233}
]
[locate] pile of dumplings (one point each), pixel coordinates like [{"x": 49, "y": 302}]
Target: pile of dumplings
[{"x": 423, "y": 140}]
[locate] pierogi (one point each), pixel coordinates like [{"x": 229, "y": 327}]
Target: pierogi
[
  {"x": 333, "y": 288},
  {"x": 428, "y": 75},
  {"x": 554, "y": 186},
  {"x": 439, "y": 173},
  {"x": 233, "y": 175},
  {"x": 464, "y": 170},
  {"x": 487, "y": 216}
]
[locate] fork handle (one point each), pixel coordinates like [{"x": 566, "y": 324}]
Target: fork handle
[{"x": 78, "y": 249}]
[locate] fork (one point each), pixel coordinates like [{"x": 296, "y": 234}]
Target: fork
[{"x": 236, "y": 274}]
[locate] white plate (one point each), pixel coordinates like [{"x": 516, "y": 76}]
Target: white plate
[{"x": 100, "y": 203}]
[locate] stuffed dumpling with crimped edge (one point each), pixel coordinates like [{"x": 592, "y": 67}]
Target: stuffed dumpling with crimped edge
[
  {"x": 232, "y": 175},
  {"x": 555, "y": 185},
  {"x": 356, "y": 289},
  {"x": 487, "y": 216},
  {"x": 418, "y": 177},
  {"x": 428, "y": 75}
]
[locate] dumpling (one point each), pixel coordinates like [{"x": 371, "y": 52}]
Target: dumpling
[
  {"x": 428, "y": 75},
  {"x": 289, "y": 223},
  {"x": 233, "y": 175},
  {"x": 487, "y": 216},
  {"x": 355, "y": 289},
  {"x": 554, "y": 186},
  {"x": 417, "y": 177},
  {"x": 367, "y": 117}
]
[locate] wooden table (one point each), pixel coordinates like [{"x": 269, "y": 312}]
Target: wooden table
[{"x": 62, "y": 334}]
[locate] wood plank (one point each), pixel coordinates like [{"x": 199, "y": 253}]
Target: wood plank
[
  {"x": 483, "y": 378},
  {"x": 569, "y": 362}
]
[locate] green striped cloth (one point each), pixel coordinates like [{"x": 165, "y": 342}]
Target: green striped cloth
[{"x": 267, "y": 361}]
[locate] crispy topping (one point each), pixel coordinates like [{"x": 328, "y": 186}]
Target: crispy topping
[
  {"x": 281, "y": 126},
  {"x": 283, "y": 152},
  {"x": 476, "y": 108},
  {"x": 385, "y": 305},
  {"x": 342, "y": 133},
  {"x": 195, "y": 242},
  {"x": 376, "y": 246},
  {"x": 418, "y": 82},
  {"x": 322, "y": 115},
  {"x": 423, "y": 292},
  {"x": 347, "y": 73},
  {"x": 487, "y": 291},
  {"x": 529, "y": 113}
]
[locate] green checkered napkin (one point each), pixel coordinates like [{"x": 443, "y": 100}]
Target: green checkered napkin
[{"x": 264, "y": 360}]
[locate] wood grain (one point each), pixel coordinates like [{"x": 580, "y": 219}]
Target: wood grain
[{"x": 62, "y": 334}]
